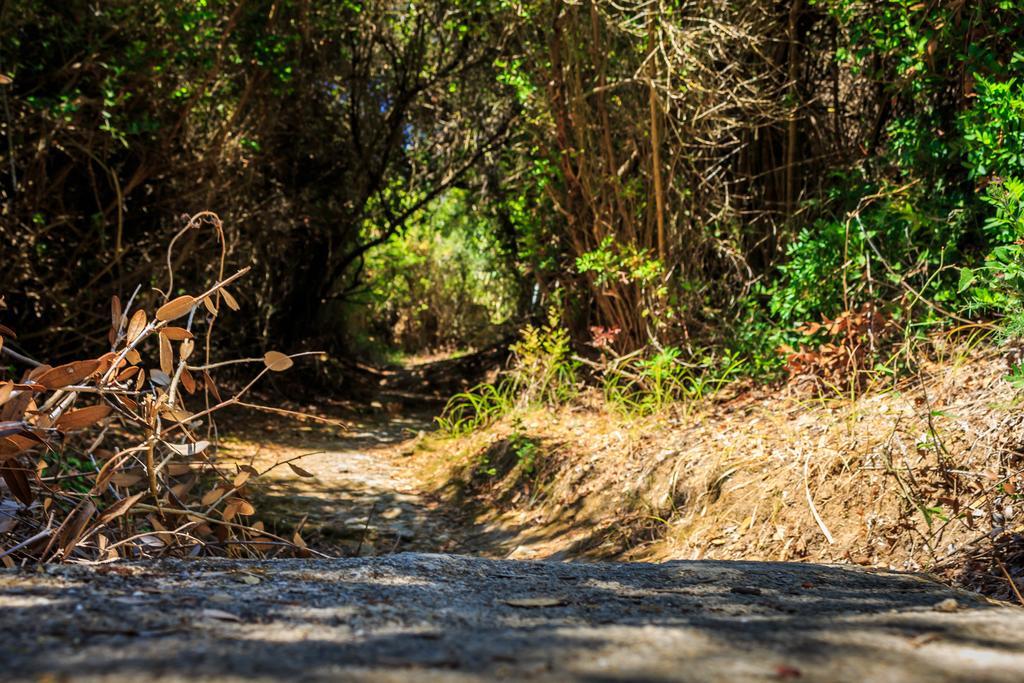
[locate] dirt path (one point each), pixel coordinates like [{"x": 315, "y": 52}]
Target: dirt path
[
  {"x": 412, "y": 617},
  {"x": 361, "y": 500}
]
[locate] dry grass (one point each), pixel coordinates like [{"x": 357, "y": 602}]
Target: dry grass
[{"x": 924, "y": 477}]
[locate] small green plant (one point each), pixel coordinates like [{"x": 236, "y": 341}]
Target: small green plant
[
  {"x": 482, "y": 405},
  {"x": 524, "y": 448},
  {"x": 544, "y": 372},
  {"x": 643, "y": 386}
]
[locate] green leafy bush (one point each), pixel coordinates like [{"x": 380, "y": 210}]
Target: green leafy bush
[{"x": 997, "y": 286}]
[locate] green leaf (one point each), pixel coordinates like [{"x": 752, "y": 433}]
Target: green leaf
[{"x": 967, "y": 278}]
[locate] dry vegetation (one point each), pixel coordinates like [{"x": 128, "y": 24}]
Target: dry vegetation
[
  {"x": 924, "y": 476},
  {"x": 114, "y": 455}
]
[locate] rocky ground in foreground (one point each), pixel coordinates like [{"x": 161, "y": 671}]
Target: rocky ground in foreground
[{"x": 414, "y": 617}]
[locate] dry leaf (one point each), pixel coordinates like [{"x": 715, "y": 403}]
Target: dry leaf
[
  {"x": 106, "y": 472},
  {"x": 188, "y": 381},
  {"x": 277, "y": 361},
  {"x": 126, "y": 478},
  {"x": 209, "y": 384},
  {"x": 136, "y": 325},
  {"x": 181, "y": 490},
  {"x": 176, "y": 308},
  {"x": 166, "y": 356},
  {"x": 17, "y": 482},
  {"x": 75, "y": 527},
  {"x": 176, "y": 333},
  {"x": 241, "y": 478},
  {"x": 209, "y": 305},
  {"x": 531, "y": 603},
  {"x": 299, "y": 471},
  {"x": 211, "y": 496},
  {"x": 71, "y": 373},
  {"x": 187, "y": 347},
  {"x": 128, "y": 374},
  {"x": 231, "y": 509},
  {"x": 176, "y": 469},
  {"x": 229, "y": 299},
  {"x": 133, "y": 357},
  {"x": 37, "y": 371},
  {"x": 115, "y": 312},
  {"x": 83, "y": 417},
  {"x": 6, "y": 389},
  {"x": 246, "y": 508}
]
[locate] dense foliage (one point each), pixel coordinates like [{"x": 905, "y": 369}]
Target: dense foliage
[{"x": 709, "y": 177}]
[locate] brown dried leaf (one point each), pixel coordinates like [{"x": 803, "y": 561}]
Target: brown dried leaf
[
  {"x": 17, "y": 482},
  {"x": 115, "y": 312},
  {"x": 166, "y": 356},
  {"x": 136, "y": 325},
  {"x": 229, "y": 299},
  {"x": 128, "y": 374},
  {"x": 176, "y": 308},
  {"x": 6, "y": 389},
  {"x": 211, "y": 496},
  {"x": 187, "y": 347},
  {"x": 188, "y": 381},
  {"x": 277, "y": 361},
  {"x": 15, "y": 407},
  {"x": 75, "y": 527},
  {"x": 181, "y": 490},
  {"x": 241, "y": 478},
  {"x": 176, "y": 333},
  {"x": 533, "y": 603},
  {"x": 299, "y": 471},
  {"x": 70, "y": 373},
  {"x": 133, "y": 357},
  {"x": 176, "y": 469},
  {"x": 105, "y": 473},
  {"x": 209, "y": 384},
  {"x": 209, "y": 305},
  {"x": 126, "y": 478},
  {"x": 231, "y": 509},
  {"x": 120, "y": 507},
  {"x": 83, "y": 417},
  {"x": 246, "y": 508},
  {"x": 36, "y": 372}
]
